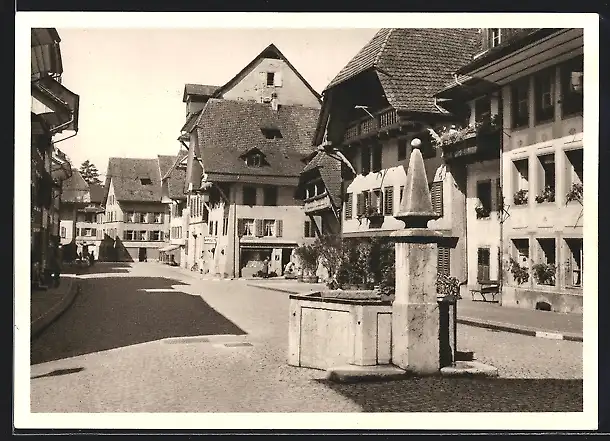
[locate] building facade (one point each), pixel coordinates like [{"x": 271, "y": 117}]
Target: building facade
[
  {"x": 373, "y": 109},
  {"x": 54, "y": 110},
  {"x": 533, "y": 242},
  {"x": 246, "y": 147},
  {"x": 135, "y": 216},
  {"x": 81, "y": 216}
]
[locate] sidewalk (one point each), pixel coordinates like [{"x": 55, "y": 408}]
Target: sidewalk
[
  {"x": 544, "y": 324},
  {"x": 46, "y": 306}
]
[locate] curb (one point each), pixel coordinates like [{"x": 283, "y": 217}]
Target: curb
[
  {"x": 516, "y": 329},
  {"x": 57, "y": 310},
  {"x": 479, "y": 323}
]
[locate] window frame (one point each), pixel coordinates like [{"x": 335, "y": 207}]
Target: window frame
[
  {"x": 543, "y": 113},
  {"x": 519, "y": 121}
]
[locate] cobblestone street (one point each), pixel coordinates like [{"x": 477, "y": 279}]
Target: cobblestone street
[{"x": 120, "y": 348}]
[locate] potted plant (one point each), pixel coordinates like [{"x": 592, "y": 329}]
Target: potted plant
[
  {"x": 374, "y": 216},
  {"x": 547, "y": 195},
  {"x": 520, "y": 197},
  {"x": 575, "y": 193},
  {"x": 544, "y": 273},
  {"x": 520, "y": 273},
  {"x": 308, "y": 256},
  {"x": 482, "y": 211}
]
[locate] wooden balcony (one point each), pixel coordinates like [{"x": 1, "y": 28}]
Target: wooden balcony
[
  {"x": 479, "y": 146},
  {"x": 370, "y": 126},
  {"x": 317, "y": 204}
]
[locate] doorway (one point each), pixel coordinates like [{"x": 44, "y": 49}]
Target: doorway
[
  {"x": 142, "y": 254},
  {"x": 286, "y": 252}
]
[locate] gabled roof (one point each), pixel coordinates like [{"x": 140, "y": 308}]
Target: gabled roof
[
  {"x": 126, "y": 173},
  {"x": 226, "y": 129},
  {"x": 270, "y": 51},
  {"x": 173, "y": 175},
  {"x": 412, "y": 64},
  {"x": 329, "y": 170},
  {"x": 198, "y": 90}
]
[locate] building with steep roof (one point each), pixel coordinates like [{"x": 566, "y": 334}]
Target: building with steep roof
[
  {"x": 372, "y": 110},
  {"x": 135, "y": 216},
  {"x": 246, "y": 147},
  {"x": 81, "y": 215},
  {"x": 524, "y": 211}
]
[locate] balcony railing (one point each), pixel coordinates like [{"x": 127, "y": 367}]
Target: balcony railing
[
  {"x": 317, "y": 203},
  {"x": 363, "y": 127}
]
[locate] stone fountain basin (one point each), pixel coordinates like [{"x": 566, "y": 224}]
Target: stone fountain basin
[{"x": 331, "y": 328}]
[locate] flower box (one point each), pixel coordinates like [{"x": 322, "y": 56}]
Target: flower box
[
  {"x": 520, "y": 197},
  {"x": 547, "y": 195}
]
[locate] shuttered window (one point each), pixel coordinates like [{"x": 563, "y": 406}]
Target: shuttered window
[
  {"x": 258, "y": 227},
  {"x": 436, "y": 193},
  {"x": 279, "y": 227},
  {"x": 443, "y": 261},
  {"x": 348, "y": 205},
  {"x": 388, "y": 201}
]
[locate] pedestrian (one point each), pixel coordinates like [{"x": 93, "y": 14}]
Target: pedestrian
[
  {"x": 91, "y": 258},
  {"x": 265, "y": 269}
]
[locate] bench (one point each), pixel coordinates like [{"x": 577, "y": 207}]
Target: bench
[{"x": 486, "y": 289}]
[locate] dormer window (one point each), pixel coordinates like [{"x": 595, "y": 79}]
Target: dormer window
[
  {"x": 145, "y": 181},
  {"x": 254, "y": 160},
  {"x": 495, "y": 37},
  {"x": 271, "y": 133}
]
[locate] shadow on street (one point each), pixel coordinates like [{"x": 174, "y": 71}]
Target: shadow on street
[
  {"x": 59, "y": 372},
  {"x": 113, "y": 312},
  {"x": 438, "y": 394},
  {"x": 100, "y": 268}
]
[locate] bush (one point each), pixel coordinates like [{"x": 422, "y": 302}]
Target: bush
[
  {"x": 544, "y": 273},
  {"x": 520, "y": 273},
  {"x": 330, "y": 250},
  {"x": 308, "y": 256}
]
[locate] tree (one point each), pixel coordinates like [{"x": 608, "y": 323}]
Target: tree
[{"x": 90, "y": 173}]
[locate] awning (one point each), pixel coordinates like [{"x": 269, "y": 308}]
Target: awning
[
  {"x": 169, "y": 248},
  {"x": 63, "y": 102}
]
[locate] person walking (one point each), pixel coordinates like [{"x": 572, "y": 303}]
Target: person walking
[
  {"x": 265, "y": 268},
  {"x": 91, "y": 258}
]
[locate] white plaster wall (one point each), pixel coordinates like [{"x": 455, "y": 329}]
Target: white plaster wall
[{"x": 253, "y": 86}]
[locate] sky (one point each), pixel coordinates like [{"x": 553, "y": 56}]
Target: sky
[{"x": 131, "y": 81}]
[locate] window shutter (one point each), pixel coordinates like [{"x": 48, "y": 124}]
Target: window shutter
[
  {"x": 258, "y": 227},
  {"x": 402, "y": 192},
  {"x": 496, "y": 203},
  {"x": 443, "y": 261},
  {"x": 306, "y": 229},
  {"x": 161, "y": 235},
  {"x": 359, "y": 204},
  {"x": 279, "y": 227},
  {"x": 94, "y": 232},
  {"x": 388, "y": 201},
  {"x": 240, "y": 227},
  {"x": 436, "y": 193},
  {"x": 125, "y": 237},
  {"x": 277, "y": 79},
  {"x": 348, "y": 205},
  {"x": 263, "y": 76}
]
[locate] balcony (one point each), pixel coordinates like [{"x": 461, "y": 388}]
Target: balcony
[
  {"x": 369, "y": 126},
  {"x": 317, "y": 204},
  {"x": 479, "y": 141}
]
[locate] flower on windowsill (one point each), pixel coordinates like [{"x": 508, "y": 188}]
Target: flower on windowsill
[
  {"x": 455, "y": 133},
  {"x": 575, "y": 193},
  {"x": 520, "y": 197},
  {"x": 547, "y": 195},
  {"x": 544, "y": 273},
  {"x": 482, "y": 211}
]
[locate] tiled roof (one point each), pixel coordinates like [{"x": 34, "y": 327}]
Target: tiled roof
[
  {"x": 226, "y": 129},
  {"x": 74, "y": 188},
  {"x": 126, "y": 173},
  {"x": 330, "y": 172},
  {"x": 413, "y": 64},
  {"x": 97, "y": 193},
  {"x": 198, "y": 89},
  {"x": 174, "y": 176}
]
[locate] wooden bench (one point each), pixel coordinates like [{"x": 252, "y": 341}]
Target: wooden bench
[{"x": 485, "y": 289}]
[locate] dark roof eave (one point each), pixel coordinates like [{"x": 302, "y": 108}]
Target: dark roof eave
[{"x": 503, "y": 50}]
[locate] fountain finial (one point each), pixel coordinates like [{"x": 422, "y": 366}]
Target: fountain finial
[{"x": 416, "y": 205}]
